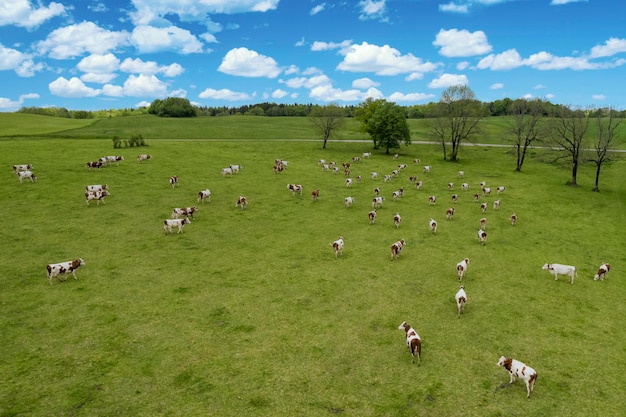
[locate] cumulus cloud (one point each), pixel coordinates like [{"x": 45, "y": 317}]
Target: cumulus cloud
[
  {"x": 247, "y": 63},
  {"x": 278, "y": 93},
  {"x": 149, "y": 39},
  {"x": 462, "y": 43},
  {"x": 139, "y": 66},
  {"x": 73, "y": 88},
  {"x": 98, "y": 63},
  {"x": 79, "y": 39},
  {"x": 363, "y": 83},
  {"x": 223, "y": 94},
  {"x": 454, "y": 8},
  {"x": 496, "y": 86},
  {"x": 410, "y": 97},
  {"x": 325, "y": 46},
  {"x": 22, "y": 64},
  {"x": 448, "y": 80},
  {"x": 21, "y": 13},
  {"x": 144, "y": 86},
  {"x": 611, "y": 47},
  {"x": 371, "y": 9},
  {"x": 382, "y": 60},
  {"x": 8, "y": 104}
]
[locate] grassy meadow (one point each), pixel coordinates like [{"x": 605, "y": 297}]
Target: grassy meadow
[{"x": 248, "y": 313}]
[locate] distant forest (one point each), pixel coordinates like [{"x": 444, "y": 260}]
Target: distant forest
[{"x": 181, "y": 107}]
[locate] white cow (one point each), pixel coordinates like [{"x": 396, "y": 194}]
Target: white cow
[
  {"x": 56, "y": 270},
  {"x": 169, "y": 224},
  {"x": 559, "y": 269},
  {"x": 396, "y": 248},
  {"x": 236, "y": 168},
  {"x": 143, "y": 157},
  {"x": 396, "y": 220},
  {"x": 461, "y": 268},
  {"x": 22, "y": 167},
  {"x": 204, "y": 195},
  {"x": 338, "y": 246},
  {"x": 518, "y": 369},
  {"x": 227, "y": 171},
  {"x": 377, "y": 202},
  {"x": 22, "y": 175},
  {"x": 461, "y": 299},
  {"x": 433, "y": 225},
  {"x": 97, "y": 187}
]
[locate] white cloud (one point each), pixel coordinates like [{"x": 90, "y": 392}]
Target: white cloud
[
  {"x": 300, "y": 42},
  {"x": 223, "y": 94},
  {"x": 22, "y": 64},
  {"x": 598, "y": 97},
  {"x": 112, "y": 90},
  {"x": 381, "y": 60},
  {"x": 412, "y": 97},
  {"x": 454, "y": 8},
  {"x": 246, "y": 63},
  {"x": 504, "y": 61},
  {"x": 462, "y": 43},
  {"x": 310, "y": 82},
  {"x": 561, "y": 2},
  {"x": 8, "y": 104},
  {"x": 363, "y": 83},
  {"x": 100, "y": 64},
  {"x": 144, "y": 86},
  {"x": 21, "y": 13},
  {"x": 148, "y": 39},
  {"x": 448, "y": 80},
  {"x": 415, "y": 76},
  {"x": 325, "y": 46},
  {"x": 139, "y": 66},
  {"x": 462, "y": 66},
  {"x": 496, "y": 86},
  {"x": 328, "y": 93},
  {"x": 371, "y": 9},
  {"x": 611, "y": 47},
  {"x": 98, "y": 78},
  {"x": 278, "y": 93},
  {"x": 73, "y": 88},
  {"x": 75, "y": 40},
  {"x": 539, "y": 87},
  {"x": 315, "y": 10}
]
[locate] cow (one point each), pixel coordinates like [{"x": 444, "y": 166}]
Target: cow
[
  {"x": 433, "y": 225},
  {"x": 465, "y": 186},
  {"x": 94, "y": 164},
  {"x": 113, "y": 158},
  {"x": 461, "y": 299},
  {"x": 376, "y": 191},
  {"x": 402, "y": 166},
  {"x": 396, "y": 220},
  {"x": 395, "y": 156},
  {"x": 483, "y": 223},
  {"x": 483, "y": 207},
  {"x": 372, "y": 216},
  {"x": 315, "y": 194},
  {"x": 396, "y": 249},
  {"x": 427, "y": 168},
  {"x": 377, "y": 202},
  {"x": 500, "y": 189},
  {"x": 460, "y": 174},
  {"x": 416, "y": 161},
  {"x": 325, "y": 167},
  {"x": 374, "y": 175},
  {"x": 413, "y": 179},
  {"x": 432, "y": 199},
  {"x": 22, "y": 167},
  {"x": 169, "y": 224},
  {"x": 602, "y": 271},
  {"x": 476, "y": 197},
  {"x": 482, "y": 236},
  {"x": 96, "y": 195},
  {"x": 338, "y": 246},
  {"x": 518, "y": 369},
  {"x": 143, "y": 157},
  {"x": 22, "y": 175},
  {"x": 356, "y": 159},
  {"x": 348, "y": 201},
  {"x": 366, "y": 154},
  {"x": 461, "y": 268},
  {"x": 295, "y": 189},
  {"x": 449, "y": 213},
  {"x": 348, "y": 182},
  {"x": 242, "y": 202},
  {"x": 227, "y": 171},
  {"x": 413, "y": 342},
  {"x": 397, "y": 194},
  {"x": 559, "y": 269},
  {"x": 419, "y": 185},
  {"x": 184, "y": 212},
  {"x": 486, "y": 190},
  {"x": 56, "y": 270},
  {"x": 174, "y": 181},
  {"x": 204, "y": 195},
  {"x": 278, "y": 167},
  {"x": 387, "y": 178},
  {"x": 450, "y": 186},
  {"x": 496, "y": 205},
  {"x": 236, "y": 168},
  {"x": 97, "y": 187},
  {"x": 513, "y": 219},
  {"x": 455, "y": 198}
]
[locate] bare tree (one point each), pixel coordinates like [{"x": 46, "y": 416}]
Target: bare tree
[
  {"x": 327, "y": 120},
  {"x": 458, "y": 114},
  {"x": 607, "y": 124},
  {"x": 525, "y": 125},
  {"x": 568, "y": 132}
]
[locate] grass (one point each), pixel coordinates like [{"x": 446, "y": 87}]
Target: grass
[{"x": 248, "y": 312}]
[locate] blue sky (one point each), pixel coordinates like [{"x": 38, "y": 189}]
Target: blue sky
[{"x": 94, "y": 54}]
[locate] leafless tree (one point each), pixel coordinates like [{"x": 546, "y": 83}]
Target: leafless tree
[
  {"x": 525, "y": 125},
  {"x": 327, "y": 120},
  {"x": 569, "y": 128},
  {"x": 607, "y": 124}
]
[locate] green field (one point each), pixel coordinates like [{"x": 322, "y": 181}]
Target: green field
[{"x": 248, "y": 313}]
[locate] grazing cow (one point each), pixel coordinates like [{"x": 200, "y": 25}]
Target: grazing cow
[
  {"x": 465, "y": 186},
  {"x": 377, "y": 202},
  {"x": 348, "y": 182},
  {"x": 432, "y": 199},
  {"x": 374, "y": 175},
  {"x": 278, "y": 167},
  {"x": 322, "y": 162},
  {"x": 295, "y": 189},
  {"x": 113, "y": 158},
  {"x": 56, "y": 270},
  {"x": 315, "y": 194},
  {"x": 427, "y": 168},
  {"x": 482, "y": 236},
  {"x": 346, "y": 172},
  {"x": 325, "y": 167},
  {"x": 496, "y": 205},
  {"x": 395, "y": 156},
  {"x": 413, "y": 179},
  {"x": 396, "y": 249},
  {"x": 22, "y": 167},
  {"x": 97, "y": 187},
  {"x": 346, "y": 165},
  {"x": 559, "y": 269},
  {"x": 476, "y": 197},
  {"x": 483, "y": 184},
  {"x": 366, "y": 154},
  {"x": 242, "y": 202},
  {"x": 204, "y": 195},
  {"x": 402, "y": 166},
  {"x": 461, "y": 268},
  {"x": 336, "y": 170},
  {"x": 356, "y": 159},
  {"x": 143, "y": 157},
  {"x": 433, "y": 225},
  {"x": 22, "y": 175},
  {"x": 358, "y": 179},
  {"x": 518, "y": 369},
  {"x": 227, "y": 171},
  {"x": 449, "y": 213},
  {"x": 419, "y": 185},
  {"x": 387, "y": 178},
  {"x": 513, "y": 219},
  {"x": 396, "y": 220},
  {"x": 348, "y": 201},
  {"x": 376, "y": 191},
  {"x": 235, "y": 168},
  {"x": 397, "y": 194},
  {"x": 500, "y": 189},
  {"x": 96, "y": 195},
  {"x": 395, "y": 173},
  {"x": 169, "y": 224},
  {"x": 455, "y": 198},
  {"x": 338, "y": 246},
  {"x": 413, "y": 342},
  {"x": 174, "y": 181},
  {"x": 450, "y": 185},
  {"x": 483, "y": 223},
  {"x": 416, "y": 161},
  {"x": 602, "y": 271},
  {"x": 94, "y": 164},
  {"x": 461, "y": 299},
  {"x": 184, "y": 212},
  {"x": 486, "y": 190},
  {"x": 372, "y": 216},
  {"x": 483, "y": 207},
  {"x": 460, "y": 174}
]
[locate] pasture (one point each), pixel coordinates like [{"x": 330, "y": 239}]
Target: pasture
[{"x": 248, "y": 313}]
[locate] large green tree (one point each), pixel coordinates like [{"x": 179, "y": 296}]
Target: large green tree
[
  {"x": 388, "y": 126},
  {"x": 172, "y": 107},
  {"x": 456, "y": 118},
  {"x": 327, "y": 120}
]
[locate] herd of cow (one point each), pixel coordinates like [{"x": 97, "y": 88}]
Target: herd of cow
[{"x": 182, "y": 216}]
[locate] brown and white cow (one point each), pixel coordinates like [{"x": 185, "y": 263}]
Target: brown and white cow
[
  {"x": 204, "y": 195},
  {"x": 396, "y": 248},
  {"x": 143, "y": 157},
  {"x": 372, "y": 216},
  {"x": 97, "y": 187},
  {"x": 169, "y": 224},
  {"x": 520, "y": 370},
  {"x": 396, "y": 220},
  {"x": 23, "y": 175},
  {"x": 184, "y": 212},
  {"x": 174, "y": 181},
  {"x": 348, "y": 201},
  {"x": 449, "y": 213},
  {"x": 98, "y": 196},
  {"x": 295, "y": 188},
  {"x": 461, "y": 268},
  {"x": 113, "y": 158},
  {"x": 432, "y": 199},
  {"x": 602, "y": 271},
  {"x": 338, "y": 246},
  {"x": 433, "y": 225},
  {"x": 413, "y": 342},
  {"x": 513, "y": 219},
  {"x": 94, "y": 164},
  {"x": 242, "y": 202},
  {"x": 482, "y": 236},
  {"x": 315, "y": 194},
  {"x": 483, "y": 223},
  {"x": 22, "y": 167},
  {"x": 59, "y": 269}
]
